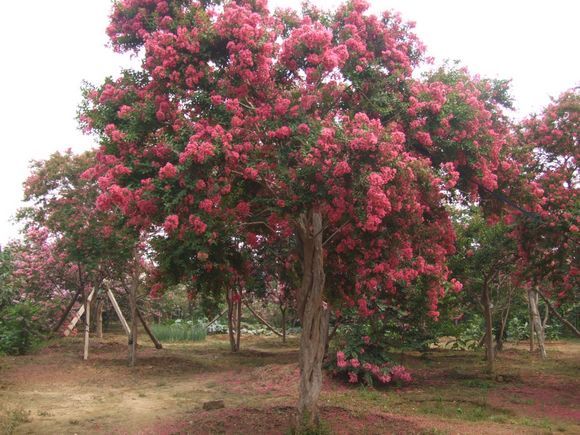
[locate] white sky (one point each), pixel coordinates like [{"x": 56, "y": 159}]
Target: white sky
[{"x": 50, "y": 47}]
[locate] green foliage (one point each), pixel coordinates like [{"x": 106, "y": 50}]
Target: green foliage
[
  {"x": 20, "y": 330},
  {"x": 7, "y": 290},
  {"x": 467, "y": 334},
  {"x": 180, "y": 331}
]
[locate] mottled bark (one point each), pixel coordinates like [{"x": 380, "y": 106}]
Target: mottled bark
[
  {"x": 234, "y": 318},
  {"x": 537, "y": 321},
  {"x": 488, "y": 316},
  {"x": 99, "y": 318},
  {"x": 314, "y": 321}
]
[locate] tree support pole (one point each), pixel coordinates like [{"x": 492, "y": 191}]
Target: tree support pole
[
  {"x": 119, "y": 312},
  {"x": 156, "y": 342},
  {"x": 261, "y": 319},
  {"x": 77, "y": 317},
  {"x": 67, "y": 311}
]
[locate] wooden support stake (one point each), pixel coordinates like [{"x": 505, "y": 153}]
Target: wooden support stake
[
  {"x": 118, "y": 311},
  {"x": 77, "y": 317},
  {"x": 215, "y": 319},
  {"x": 67, "y": 311},
  {"x": 261, "y": 319},
  {"x": 156, "y": 342}
]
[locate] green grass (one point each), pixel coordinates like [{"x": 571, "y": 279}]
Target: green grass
[{"x": 179, "y": 332}]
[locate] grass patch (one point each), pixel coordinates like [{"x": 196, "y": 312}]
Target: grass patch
[
  {"x": 10, "y": 419},
  {"x": 463, "y": 410},
  {"x": 180, "y": 331}
]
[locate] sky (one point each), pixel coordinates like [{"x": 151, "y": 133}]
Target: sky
[{"x": 50, "y": 47}]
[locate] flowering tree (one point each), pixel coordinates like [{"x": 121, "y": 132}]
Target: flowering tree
[
  {"x": 548, "y": 245},
  {"x": 243, "y": 127},
  {"x": 62, "y": 219}
]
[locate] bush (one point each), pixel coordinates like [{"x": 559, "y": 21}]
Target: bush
[
  {"x": 466, "y": 334},
  {"x": 180, "y": 331},
  {"x": 361, "y": 354},
  {"x": 20, "y": 331}
]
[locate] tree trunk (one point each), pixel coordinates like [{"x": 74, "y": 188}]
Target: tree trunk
[
  {"x": 558, "y": 315},
  {"x": 546, "y": 317},
  {"x": 99, "y": 318},
  {"x": 234, "y": 318},
  {"x": 313, "y": 318},
  {"x": 283, "y": 310},
  {"x": 531, "y": 321},
  {"x": 504, "y": 319},
  {"x": 487, "y": 310},
  {"x": 537, "y": 321},
  {"x": 134, "y": 318},
  {"x": 87, "y": 325}
]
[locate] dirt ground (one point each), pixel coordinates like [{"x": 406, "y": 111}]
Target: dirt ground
[{"x": 55, "y": 392}]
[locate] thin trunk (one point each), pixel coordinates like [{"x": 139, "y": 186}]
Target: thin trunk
[
  {"x": 557, "y": 314},
  {"x": 239, "y": 322},
  {"x": 487, "y": 310},
  {"x": 531, "y": 322},
  {"x": 546, "y": 317},
  {"x": 537, "y": 321},
  {"x": 234, "y": 319},
  {"x": 134, "y": 317},
  {"x": 504, "y": 319},
  {"x": 283, "y": 310},
  {"x": 313, "y": 318},
  {"x": 87, "y": 326},
  {"x": 156, "y": 342},
  {"x": 99, "y": 318},
  {"x": 482, "y": 340}
]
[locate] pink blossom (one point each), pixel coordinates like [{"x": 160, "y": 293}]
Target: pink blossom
[
  {"x": 197, "y": 224},
  {"x": 167, "y": 171},
  {"x": 171, "y": 223}
]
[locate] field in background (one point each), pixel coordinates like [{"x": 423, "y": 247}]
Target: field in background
[{"x": 54, "y": 391}]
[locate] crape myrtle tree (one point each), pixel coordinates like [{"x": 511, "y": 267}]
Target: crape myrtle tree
[
  {"x": 548, "y": 245},
  {"x": 62, "y": 218},
  {"x": 242, "y": 123},
  {"x": 42, "y": 274}
]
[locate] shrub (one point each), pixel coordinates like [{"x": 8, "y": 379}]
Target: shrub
[
  {"x": 20, "y": 330},
  {"x": 361, "y": 354}
]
